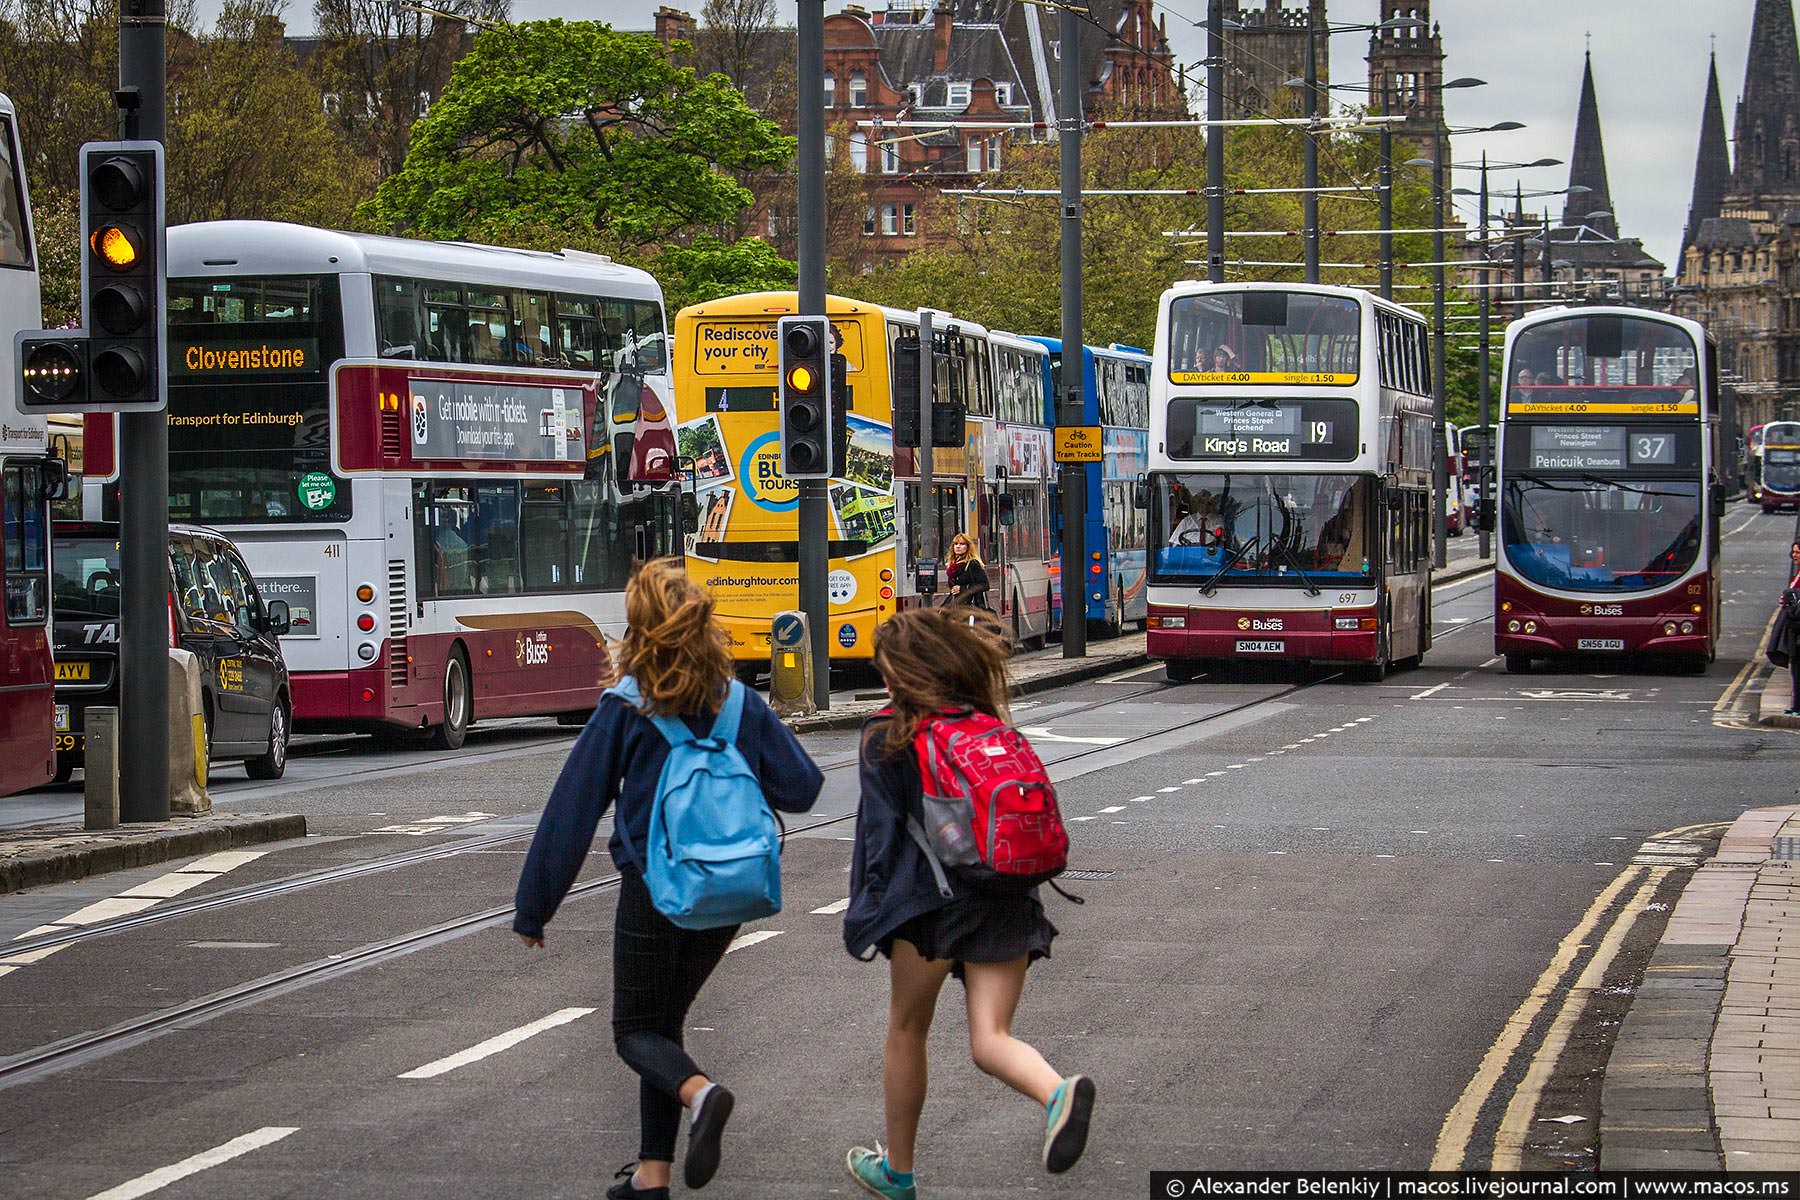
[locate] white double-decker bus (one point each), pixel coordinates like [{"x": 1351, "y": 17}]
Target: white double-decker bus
[
  {"x": 1291, "y": 448},
  {"x": 443, "y": 457}
]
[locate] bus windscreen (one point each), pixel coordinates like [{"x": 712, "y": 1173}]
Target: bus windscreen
[
  {"x": 1265, "y": 337},
  {"x": 1603, "y": 363}
]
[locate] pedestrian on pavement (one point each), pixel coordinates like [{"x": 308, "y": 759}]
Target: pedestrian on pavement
[
  {"x": 1784, "y": 638},
  {"x": 968, "y": 575},
  {"x": 932, "y": 660},
  {"x": 677, "y": 652}
]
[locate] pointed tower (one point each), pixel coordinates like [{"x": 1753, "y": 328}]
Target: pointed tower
[
  {"x": 1768, "y": 115},
  {"x": 1406, "y": 67},
  {"x": 1712, "y": 166},
  {"x": 1587, "y": 166}
]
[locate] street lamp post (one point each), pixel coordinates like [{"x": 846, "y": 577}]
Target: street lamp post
[
  {"x": 1483, "y": 366},
  {"x": 1310, "y": 158},
  {"x": 1440, "y": 550},
  {"x": 1215, "y": 141}
]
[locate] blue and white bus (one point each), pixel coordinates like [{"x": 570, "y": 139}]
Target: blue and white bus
[{"x": 1115, "y": 395}]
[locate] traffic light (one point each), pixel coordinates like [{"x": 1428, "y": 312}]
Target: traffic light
[
  {"x": 123, "y": 274},
  {"x": 807, "y": 435},
  {"x": 53, "y": 371}
]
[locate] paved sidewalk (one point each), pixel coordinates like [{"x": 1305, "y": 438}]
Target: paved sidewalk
[
  {"x": 1706, "y": 1070},
  {"x": 58, "y": 851}
]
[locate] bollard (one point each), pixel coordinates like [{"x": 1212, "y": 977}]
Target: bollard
[
  {"x": 790, "y": 665},
  {"x": 100, "y": 767},
  {"x": 187, "y": 738}
]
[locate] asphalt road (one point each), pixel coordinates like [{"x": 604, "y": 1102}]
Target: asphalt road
[{"x": 1320, "y": 905}]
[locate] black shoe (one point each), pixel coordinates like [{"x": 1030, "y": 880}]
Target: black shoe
[
  {"x": 704, "y": 1134},
  {"x": 623, "y": 1190}
]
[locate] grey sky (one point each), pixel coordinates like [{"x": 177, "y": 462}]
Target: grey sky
[{"x": 1649, "y": 70}]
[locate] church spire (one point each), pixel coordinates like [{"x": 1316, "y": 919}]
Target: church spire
[
  {"x": 1712, "y": 166},
  {"x": 1587, "y": 165},
  {"x": 1768, "y": 130}
]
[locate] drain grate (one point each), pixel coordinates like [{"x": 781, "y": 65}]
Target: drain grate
[
  {"x": 1089, "y": 873},
  {"x": 1785, "y": 847}
]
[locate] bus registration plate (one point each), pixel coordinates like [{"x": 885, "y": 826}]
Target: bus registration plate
[
  {"x": 1600, "y": 644},
  {"x": 1244, "y": 647}
]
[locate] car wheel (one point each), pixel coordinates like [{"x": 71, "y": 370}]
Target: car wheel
[
  {"x": 455, "y": 727},
  {"x": 272, "y": 763},
  {"x": 65, "y": 770}
]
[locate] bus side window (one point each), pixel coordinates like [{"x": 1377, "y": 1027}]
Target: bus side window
[
  {"x": 488, "y": 328},
  {"x": 446, "y": 324},
  {"x": 531, "y": 328},
  {"x": 576, "y": 332},
  {"x": 26, "y": 560},
  {"x": 397, "y": 319}
]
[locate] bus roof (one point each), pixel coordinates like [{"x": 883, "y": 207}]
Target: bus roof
[
  {"x": 781, "y": 304},
  {"x": 280, "y": 248},
  {"x": 1195, "y": 287}
]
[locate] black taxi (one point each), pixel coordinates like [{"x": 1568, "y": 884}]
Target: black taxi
[{"x": 214, "y": 611}]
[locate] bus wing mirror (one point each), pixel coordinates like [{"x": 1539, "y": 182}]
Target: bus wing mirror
[
  {"x": 1007, "y": 515},
  {"x": 1140, "y": 496},
  {"x": 1487, "y": 512},
  {"x": 56, "y": 478}
]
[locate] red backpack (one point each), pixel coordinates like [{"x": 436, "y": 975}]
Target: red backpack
[{"x": 990, "y": 808}]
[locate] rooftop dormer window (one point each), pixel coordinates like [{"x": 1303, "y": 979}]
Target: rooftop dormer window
[
  {"x": 859, "y": 90},
  {"x": 957, "y": 95}
]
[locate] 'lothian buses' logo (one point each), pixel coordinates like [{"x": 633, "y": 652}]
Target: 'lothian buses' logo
[
  {"x": 532, "y": 650},
  {"x": 1268, "y": 624}
]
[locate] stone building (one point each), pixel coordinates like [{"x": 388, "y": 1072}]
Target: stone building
[{"x": 1738, "y": 273}]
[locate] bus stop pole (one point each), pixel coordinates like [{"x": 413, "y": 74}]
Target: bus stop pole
[
  {"x": 143, "y": 729},
  {"x": 1069, "y": 406},
  {"x": 815, "y": 520}
]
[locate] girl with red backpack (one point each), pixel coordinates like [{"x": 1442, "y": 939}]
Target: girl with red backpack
[{"x": 931, "y": 923}]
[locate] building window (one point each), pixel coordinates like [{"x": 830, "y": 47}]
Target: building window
[
  {"x": 859, "y": 90},
  {"x": 916, "y": 91},
  {"x": 869, "y": 221},
  {"x": 975, "y": 158},
  {"x": 908, "y": 222},
  {"x": 957, "y": 95},
  {"x": 890, "y": 158},
  {"x": 1003, "y": 93},
  {"x": 830, "y": 90},
  {"x": 859, "y": 152},
  {"x": 994, "y": 152},
  {"x": 890, "y": 219},
  {"x": 771, "y": 225}
]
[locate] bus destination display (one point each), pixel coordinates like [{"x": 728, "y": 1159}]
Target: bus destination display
[
  {"x": 1306, "y": 430},
  {"x": 1600, "y": 447},
  {"x": 458, "y": 419}
]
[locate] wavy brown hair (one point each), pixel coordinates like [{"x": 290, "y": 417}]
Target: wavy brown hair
[
  {"x": 935, "y": 658},
  {"x": 673, "y": 647}
]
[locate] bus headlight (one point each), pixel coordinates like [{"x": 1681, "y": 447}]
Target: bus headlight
[
  {"x": 1344, "y": 623},
  {"x": 1531, "y": 627},
  {"x": 1668, "y": 629},
  {"x": 366, "y": 652},
  {"x": 1687, "y": 627},
  {"x": 1512, "y": 627}
]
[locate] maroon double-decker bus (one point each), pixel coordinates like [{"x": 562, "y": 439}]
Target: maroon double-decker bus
[{"x": 1609, "y": 489}]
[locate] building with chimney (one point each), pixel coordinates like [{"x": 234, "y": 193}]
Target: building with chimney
[
  {"x": 1265, "y": 47},
  {"x": 1738, "y": 274}
]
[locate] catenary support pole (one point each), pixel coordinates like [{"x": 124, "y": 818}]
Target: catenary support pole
[
  {"x": 1387, "y": 203},
  {"x": 1484, "y": 365},
  {"x": 815, "y": 520},
  {"x": 1215, "y": 141},
  {"x": 1069, "y": 406},
  {"x": 144, "y": 495},
  {"x": 1310, "y": 155},
  {"x": 1440, "y": 549}
]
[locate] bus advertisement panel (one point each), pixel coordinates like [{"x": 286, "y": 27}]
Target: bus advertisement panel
[{"x": 1609, "y": 488}]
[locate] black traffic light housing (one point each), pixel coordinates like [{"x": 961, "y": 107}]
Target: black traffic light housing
[
  {"x": 808, "y": 428},
  {"x": 948, "y": 418}
]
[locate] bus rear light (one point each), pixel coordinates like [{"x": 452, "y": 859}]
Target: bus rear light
[
  {"x": 1370, "y": 624},
  {"x": 1098, "y": 596},
  {"x": 887, "y": 593},
  {"x": 368, "y": 695},
  {"x": 1512, "y": 627},
  {"x": 1506, "y": 606},
  {"x": 1096, "y": 557},
  {"x": 1687, "y": 627},
  {"x": 1167, "y": 623},
  {"x": 887, "y": 575},
  {"x": 366, "y": 652},
  {"x": 366, "y": 623},
  {"x": 365, "y": 592},
  {"x": 1698, "y": 610},
  {"x": 1345, "y": 623},
  {"x": 1096, "y": 569}
]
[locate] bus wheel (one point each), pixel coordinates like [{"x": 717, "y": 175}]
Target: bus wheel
[
  {"x": 1518, "y": 664},
  {"x": 450, "y": 734},
  {"x": 1183, "y": 670},
  {"x": 1696, "y": 665},
  {"x": 1372, "y": 672}
]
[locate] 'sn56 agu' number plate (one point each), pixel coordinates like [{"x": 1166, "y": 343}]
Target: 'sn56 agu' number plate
[
  {"x": 1600, "y": 644},
  {"x": 1261, "y": 647}
]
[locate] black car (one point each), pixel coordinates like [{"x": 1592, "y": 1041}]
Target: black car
[{"x": 214, "y": 611}]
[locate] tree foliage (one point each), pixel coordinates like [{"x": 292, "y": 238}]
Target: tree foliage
[
  {"x": 710, "y": 268},
  {"x": 575, "y": 130}
]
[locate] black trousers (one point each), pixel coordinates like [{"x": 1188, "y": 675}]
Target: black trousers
[
  {"x": 1794, "y": 675},
  {"x": 658, "y": 969}
]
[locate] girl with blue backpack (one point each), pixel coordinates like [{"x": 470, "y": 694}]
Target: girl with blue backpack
[
  {"x": 693, "y": 761},
  {"x": 945, "y": 670}
]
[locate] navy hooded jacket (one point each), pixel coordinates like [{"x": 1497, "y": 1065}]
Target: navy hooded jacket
[
  {"x": 891, "y": 881},
  {"x": 620, "y": 756}
]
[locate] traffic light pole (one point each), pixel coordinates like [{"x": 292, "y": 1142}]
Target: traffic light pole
[
  {"x": 1069, "y": 406},
  {"x": 815, "y": 518},
  {"x": 143, "y": 490}
]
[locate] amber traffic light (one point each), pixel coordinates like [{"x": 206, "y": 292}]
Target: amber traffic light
[
  {"x": 805, "y": 397},
  {"x": 123, "y": 273}
]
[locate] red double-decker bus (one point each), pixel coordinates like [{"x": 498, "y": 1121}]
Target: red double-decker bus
[{"x": 1610, "y": 488}]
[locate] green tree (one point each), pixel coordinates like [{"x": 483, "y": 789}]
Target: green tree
[
  {"x": 573, "y": 132},
  {"x": 710, "y": 268}
]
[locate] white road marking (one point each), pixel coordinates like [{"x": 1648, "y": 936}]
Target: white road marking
[
  {"x": 1191, "y": 782},
  {"x": 1114, "y": 808},
  {"x": 1081, "y": 818},
  {"x": 1234, "y": 766},
  {"x": 1167, "y": 790},
  {"x": 494, "y": 1045},
  {"x": 38, "y": 931},
  {"x": 164, "y": 887},
  {"x": 1140, "y": 799},
  {"x": 1126, "y": 676},
  {"x": 836, "y": 906},
  {"x": 751, "y": 939},
  {"x": 1214, "y": 774},
  {"x": 105, "y": 910},
  {"x": 1492, "y": 662},
  {"x": 161, "y": 1178},
  {"x": 27, "y": 957},
  {"x": 224, "y": 860},
  {"x": 1042, "y": 733},
  {"x": 1744, "y": 526}
]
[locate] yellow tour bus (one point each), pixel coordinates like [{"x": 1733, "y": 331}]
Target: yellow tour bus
[{"x": 746, "y": 549}]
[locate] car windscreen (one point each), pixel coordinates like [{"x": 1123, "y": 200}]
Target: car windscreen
[{"x": 85, "y": 577}]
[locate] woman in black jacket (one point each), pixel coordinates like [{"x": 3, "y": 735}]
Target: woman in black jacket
[
  {"x": 1784, "y": 638},
  {"x": 933, "y": 659},
  {"x": 676, "y": 652},
  {"x": 968, "y": 576}
]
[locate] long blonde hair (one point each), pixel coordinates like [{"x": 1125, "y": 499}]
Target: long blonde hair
[
  {"x": 934, "y": 658},
  {"x": 673, "y": 647},
  {"x": 974, "y": 550}
]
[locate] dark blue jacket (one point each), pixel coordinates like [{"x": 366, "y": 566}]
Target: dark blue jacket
[
  {"x": 891, "y": 882},
  {"x": 619, "y": 756}
]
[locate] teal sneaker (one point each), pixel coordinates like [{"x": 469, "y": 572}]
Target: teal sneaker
[
  {"x": 869, "y": 1168},
  {"x": 1065, "y": 1137}
]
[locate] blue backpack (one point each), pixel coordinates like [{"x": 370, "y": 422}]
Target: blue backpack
[{"x": 714, "y": 852}]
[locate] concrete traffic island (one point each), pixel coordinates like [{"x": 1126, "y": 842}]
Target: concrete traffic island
[{"x": 39, "y": 855}]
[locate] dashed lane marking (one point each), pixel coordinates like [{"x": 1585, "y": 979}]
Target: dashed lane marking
[
  {"x": 495, "y": 1044},
  {"x": 750, "y": 939},
  {"x": 1118, "y": 807},
  {"x": 427, "y": 825},
  {"x": 1042, "y": 733},
  {"x": 162, "y": 1177},
  {"x": 836, "y": 906}
]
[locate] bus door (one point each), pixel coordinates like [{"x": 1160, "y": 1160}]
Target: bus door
[
  {"x": 947, "y": 516},
  {"x": 993, "y": 517},
  {"x": 27, "y": 686}
]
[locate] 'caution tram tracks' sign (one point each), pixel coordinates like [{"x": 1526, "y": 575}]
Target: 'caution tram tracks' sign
[{"x": 1078, "y": 443}]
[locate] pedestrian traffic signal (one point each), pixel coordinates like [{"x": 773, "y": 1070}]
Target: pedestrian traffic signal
[
  {"x": 803, "y": 358},
  {"x": 123, "y": 274},
  {"x": 52, "y": 371}
]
